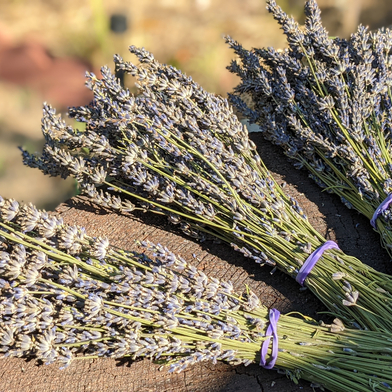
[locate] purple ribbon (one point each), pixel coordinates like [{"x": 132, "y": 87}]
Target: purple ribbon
[
  {"x": 380, "y": 209},
  {"x": 274, "y": 315},
  {"x": 312, "y": 260}
]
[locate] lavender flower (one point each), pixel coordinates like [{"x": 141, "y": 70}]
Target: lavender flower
[
  {"x": 160, "y": 307},
  {"x": 327, "y": 103},
  {"x": 177, "y": 150}
]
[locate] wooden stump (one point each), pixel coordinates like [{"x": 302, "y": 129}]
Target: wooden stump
[{"x": 326, "y": 213}]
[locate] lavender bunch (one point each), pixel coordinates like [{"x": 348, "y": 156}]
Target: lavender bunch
[
  {"x": 65, "y": 296},
  {"x": 177, "y": 150},
  {"x": 327, "y": 103}
]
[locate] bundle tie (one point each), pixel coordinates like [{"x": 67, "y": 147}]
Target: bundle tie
[
  {"x": 274, "y": 315},
  {"x": 380, "y": 209},
  {"x": 312, "y": 260}
]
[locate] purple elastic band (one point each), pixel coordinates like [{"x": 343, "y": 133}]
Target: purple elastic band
[
  {"x": 380, "y": 209},
  {"x": 274, "y": 315},
  {"x": 312, "y": 260}
]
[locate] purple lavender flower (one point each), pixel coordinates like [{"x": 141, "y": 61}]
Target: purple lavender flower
[
  {"x": 327, "y": 103},
  {"x": 177, "y": 150},
  {"x": 164, "y": 309}
]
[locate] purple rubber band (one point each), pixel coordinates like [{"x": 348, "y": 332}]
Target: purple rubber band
[
  {"x": 274, "y": 315},
  {"x": 380, "y": 209},
  {"x": 312, "y": 260}
]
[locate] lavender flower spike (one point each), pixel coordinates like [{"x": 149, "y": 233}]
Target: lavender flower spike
[
  {"x": 177, "y": 150},
  {"x": 160, "y": 307},
  {"x": 328, "y": 104}
]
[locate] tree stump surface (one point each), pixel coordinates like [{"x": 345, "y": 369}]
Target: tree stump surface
[{"x": 326, "y": 213}]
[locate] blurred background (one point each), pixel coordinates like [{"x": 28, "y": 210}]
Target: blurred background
[{"x": 47, "y": 45}]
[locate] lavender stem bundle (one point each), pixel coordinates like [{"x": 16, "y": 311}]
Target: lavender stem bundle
[
  {"x": 65, "y": 296},
  {"x": 327, "y": 103},
  {"x": 177, "y": 150}
]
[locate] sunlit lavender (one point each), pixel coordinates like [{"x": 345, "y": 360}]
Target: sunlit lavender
[
  {"x": 327, "y": 103},
  {"x": 64, "y": 293},
  {"x": 178, "y": 150},
  {"x": 66, "y": 296}
]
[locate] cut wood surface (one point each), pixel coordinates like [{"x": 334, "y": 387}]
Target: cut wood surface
[{"x": 326, "y": 213}]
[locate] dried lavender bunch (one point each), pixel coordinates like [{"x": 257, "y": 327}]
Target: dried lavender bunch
[
  {"x": 327, "y": 103},
  {"x": 177, "y": 150},
  {"x": 66, "y": 296}
]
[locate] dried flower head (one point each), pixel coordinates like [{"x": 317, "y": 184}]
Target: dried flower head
[
  {"x": 160, "y": 307},
  {"x": 327, "y": 103},
  {"x": 178, "y": 150}
]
